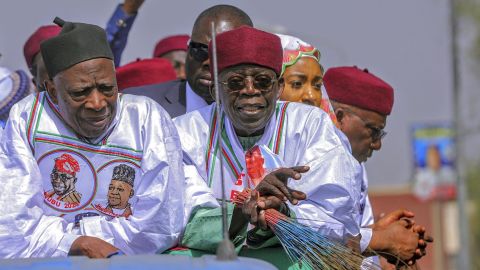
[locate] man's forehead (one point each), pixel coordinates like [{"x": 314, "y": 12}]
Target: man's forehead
[
  {"x": 247, "y": 69},
  {"x": 372, "y": 118},
  {"x": 202, "y": 32},
  {"x": 100, "y": 68}
]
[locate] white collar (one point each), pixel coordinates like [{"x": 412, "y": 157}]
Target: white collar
[{"x": 194, "y": 101}]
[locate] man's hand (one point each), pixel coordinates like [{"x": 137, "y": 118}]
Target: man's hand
[
  {"x": 397, "y": 241},
  {"x": 91, "y": 247},
  {"x": 423, "y": 241},
  {"x": 275, "y": 184},
  {"x": 392, "y": 217},
  {"x": 254, "y": 208},
  {"x": 131, "y": 6}
]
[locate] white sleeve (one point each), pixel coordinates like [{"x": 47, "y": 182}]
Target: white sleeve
[
  {"x": 197, "y": 193},
  {"x": 24, "y": 229},
  {"x": 158, "y": 219},
  {"x": 333, "y": 183}
]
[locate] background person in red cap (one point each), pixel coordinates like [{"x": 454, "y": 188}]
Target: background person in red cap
[
  {"x": 144, "y": 72},
  {"x": 362, "y": 102},
  {"x": 174, "y": 49},
  {"x": 292, "y": 134},
  {"x": 179, "y": 97},
  {"x": 117, "y": 31}
]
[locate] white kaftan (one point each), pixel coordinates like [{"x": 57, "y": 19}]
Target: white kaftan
[
  {"x": 299, "y": 135},
  {"x": 366, "y": 212},
  {"x": 143, "y": 215}
]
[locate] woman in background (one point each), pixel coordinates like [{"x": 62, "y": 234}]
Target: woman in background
[{"x": 303, "y": 74}]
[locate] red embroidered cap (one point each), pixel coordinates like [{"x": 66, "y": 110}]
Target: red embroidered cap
[
  {"x": 145, "y": 72},
  {"x": 32, "y": 46},
  {"x": 359, "y": 88},
  {"x": 248, "y": 45},
  {"x": 67, "y": 164},
  {"x": 171, "y": 43}
]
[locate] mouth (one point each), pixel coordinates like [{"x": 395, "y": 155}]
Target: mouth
[
  {"x": 251, "y": 109},
  {"x": 114, "y": 198},
  {"x": 205, "y": 81},
  {"x": 100, "y": 121}
]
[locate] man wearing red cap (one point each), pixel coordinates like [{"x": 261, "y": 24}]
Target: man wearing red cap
[
  {"x": 362, "y": 102},
  {"x": 282, "y": 136},
  {"x": 174, "y": 49},
  {"x": 180, "y": 96},
  {"x": 117, "y": 31}
]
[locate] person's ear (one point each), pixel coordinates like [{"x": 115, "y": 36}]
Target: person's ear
[
  {"x": 340, "y": 114},
  {"x": 131, "y": 193},
  {"x": 51, "y": 90}
]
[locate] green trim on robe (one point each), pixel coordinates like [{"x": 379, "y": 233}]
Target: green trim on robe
[{"x": 204, "y": 231}]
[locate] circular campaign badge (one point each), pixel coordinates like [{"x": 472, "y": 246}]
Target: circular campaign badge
[
  {"x": 116, "y": 199},
  {"x": 69, "y": 180}
]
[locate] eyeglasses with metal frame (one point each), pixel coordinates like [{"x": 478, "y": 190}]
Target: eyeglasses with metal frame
[
  {"x": 262, "y": 82},
  {"x": 376, "y": 133}
]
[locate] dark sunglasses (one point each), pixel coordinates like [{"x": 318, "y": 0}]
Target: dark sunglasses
[
  {"x": 260, "y": 82},
  {"x": 61, "y": 176},
  {"x": 198, "y": 51}
]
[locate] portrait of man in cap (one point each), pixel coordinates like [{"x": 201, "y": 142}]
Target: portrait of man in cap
[
  {"x": 63, "y": 178},
  {"x": 120, "y": 191}
]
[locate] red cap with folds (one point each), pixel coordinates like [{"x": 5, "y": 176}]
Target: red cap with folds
[
  {"x": 359, "y": 88},
  {"x": 248, "y": 45},
  {"x": 32, "y": 46},
  {"x": 67, "y": 164},
  {"x": 145, "y": 72},
  {"x": 171, "y": 43}
]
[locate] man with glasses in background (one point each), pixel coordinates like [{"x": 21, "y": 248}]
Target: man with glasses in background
[
  {"x": 182, "y": 96},
  {"x": 362, "y": 103}
]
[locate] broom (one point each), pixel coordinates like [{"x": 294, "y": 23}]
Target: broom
[{"x": 306, "y": 246}]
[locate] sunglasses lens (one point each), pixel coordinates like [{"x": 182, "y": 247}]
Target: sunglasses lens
[
  {"x": 198, "y": 51},
  {"x": 236, "y": 84},
  {"x": 263, "y": 82}
]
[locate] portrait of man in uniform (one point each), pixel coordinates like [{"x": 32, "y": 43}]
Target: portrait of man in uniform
[
  {"x": 120, "y": 191},
  {"x": 63, "y": 179}
]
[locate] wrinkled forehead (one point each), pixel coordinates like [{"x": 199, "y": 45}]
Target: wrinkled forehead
[
  {"x": 371, "y": 118},
  {"x": 98, "y": 68},
  {"x": 246, "y": 70}
]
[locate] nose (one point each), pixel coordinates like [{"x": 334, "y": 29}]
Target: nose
[
  {"x": 56, "y": 180},
  {"x": 96, "y": 101},
  {"x": 308, "y": 96},
  {"x": 376, "y": 145},
  {"x": 250, "y": 87},
  {"x": 206, "y": 64}
]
